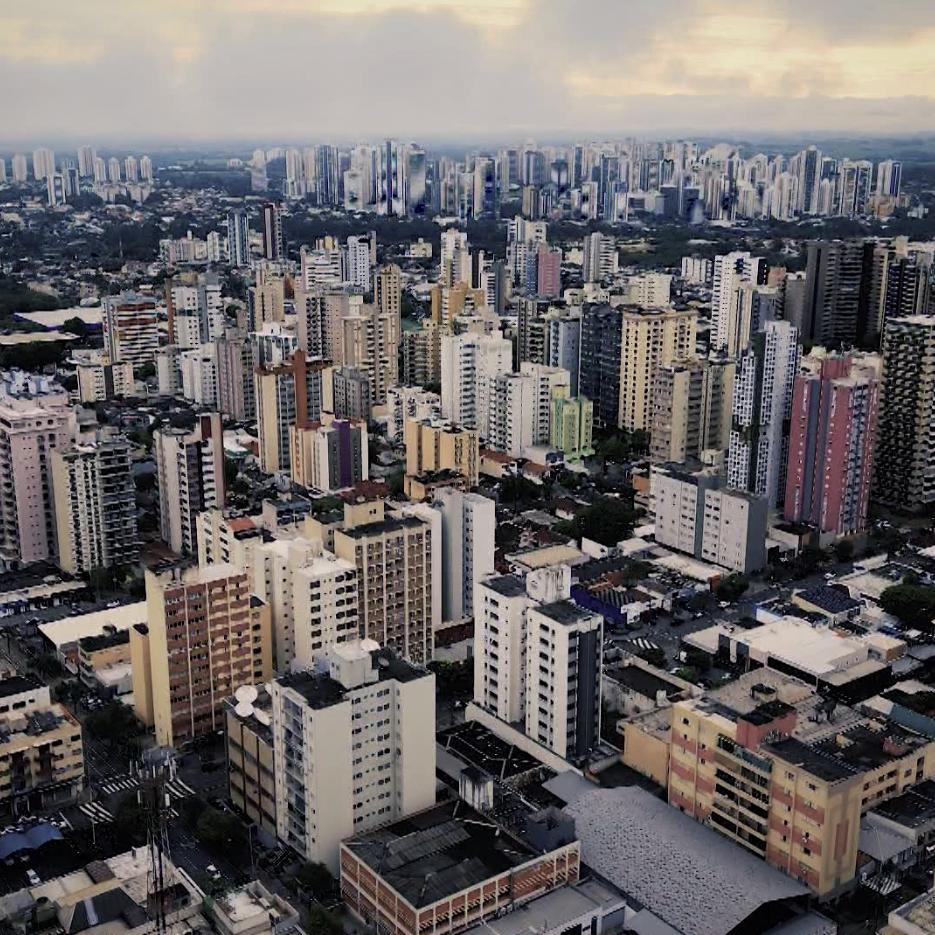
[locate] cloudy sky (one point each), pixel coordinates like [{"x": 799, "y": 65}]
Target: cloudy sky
[{"x": 306, "y": 70}]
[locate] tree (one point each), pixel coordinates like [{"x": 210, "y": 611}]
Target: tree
[
  {"x": 453, "y": 679},
  {"x": 844, "y": 550},
  {"x": 319, "y": 920},
  {"x": 231, "y": 471},
  {"x": 114, "y": 724},
  {"x": 220, "y": 832},
  {"x": 75, "y": 326},
  {"x": 396, "y": 482},
  {"x": 317, "y": 878},
  {"x": 914, "y": 604},
  {"x": 146, "y": 370},
  {"x": 732, "y": 587},
  {"x": 608, "y": 521}
]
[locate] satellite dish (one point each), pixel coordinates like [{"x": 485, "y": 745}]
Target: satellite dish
[
  {"x": 243, "y": 709},
  {"x": 262, "y": 716},
  {"x": 246, "y": 693}
]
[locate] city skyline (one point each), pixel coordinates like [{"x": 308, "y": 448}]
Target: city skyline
[{"x": 329, "y": 69}]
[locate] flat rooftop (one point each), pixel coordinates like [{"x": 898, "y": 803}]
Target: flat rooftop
[
  {"x": 687, "y": 874},
  {"x": 439, "y": 852},
  {"x": 564, "y": 612},
  {"x": 546, "y": 556},
  {"x": 71, "y": 629},
  {"x": 474, "y": 744},
  {"x": 915, "y": 807},
  {"x": 642, "y": 681},
  {"x": 318, "y": 689},
  {"x": 506, "y": 585},
  {"x": 17, "y": 684}
]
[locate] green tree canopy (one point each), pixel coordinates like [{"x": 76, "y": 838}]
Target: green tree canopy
[{"x": 914, "y": 604}]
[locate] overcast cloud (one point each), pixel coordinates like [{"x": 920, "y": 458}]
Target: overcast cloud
[{"x": 308, "y": 70}]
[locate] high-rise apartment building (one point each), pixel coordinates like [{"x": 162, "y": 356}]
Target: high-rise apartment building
[
  {"x": 467, "y": 551},
  {"x": 271, "y": 229},
  {"x": 266, "y": 299},
  {"x": 651, "y": 338},
  {"x": 205, "y": 636},
  {"x": 599, "y": 368},
  {"x": 904, "y": 470},
  {"x": 758, "y": 449},
  {"x": 329, "y": 457},
  {"x": 433, "y": 445},
  {"x": 43, "y": 163},
  {"x": 397, "y": 579},
  {"x": 571, "y": 424},
  {"x": 275, "y": 567},
  {"x": 469, "y": 363},
  {"x": 834, "y": 276},
  {"x": 387, "y": 289},
  {"x": 693, "y": 514},
  {"x": 831, "y": 441},
  {"x": 35, "y": 420},
  {"x": 563, "y": 343},
  {"x": 18, "y": 167},
  {"x": 731, "y": 323},
  {"x": 351, "y": 393},
  {"x": 238, "y": 238},
  {"x": 409, "y": 402},
  {"x": 691, "y": 409},
  {"x": 95, "y": 506},
  {"x": 548, "y": 271},
  {"x": 195, "y": 311},
  {"x": 131, "y": 327},
  {"x": 421, "y": 356},
  {"x": 450, "y": 302},
  {"x": 100, "y": 380},
  {"x": 287, "y": 394},
  {"x": 600, "y": 257},
  {"x": 357, "y": 264},
  {"x": 564, "y": 671},
  {"x": 355, "y": 748},
  {"x": 537, "y": 659},
  {"x": 236, "y": 394},
  {"x": 86, "y": 156},
  {"x": 455, "y": 258},
  {"x": 190, "y": 478}
]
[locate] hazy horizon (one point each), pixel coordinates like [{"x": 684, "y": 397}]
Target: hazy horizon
[{"x": 108, "y": 71}]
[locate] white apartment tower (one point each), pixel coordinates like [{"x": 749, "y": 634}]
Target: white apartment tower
[
  {"x": 358, "y": 262},
  {"x": 469, "y": 363},
  {"x": 730, "y": 272},
  {"x": 355, "y": 748},
  {"x": 190, "y": 478}
]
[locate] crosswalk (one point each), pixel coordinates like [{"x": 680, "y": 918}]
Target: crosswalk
[
  {"x": 176, "y": 788},
  {"x": 96, "y": 812},
  {"x": 120, "y": 785}
]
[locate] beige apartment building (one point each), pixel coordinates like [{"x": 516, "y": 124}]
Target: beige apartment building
[
  {"x": 650, "y": 338},
  {"x": 206, "y": 635},
  {"x": 41, "y": 753},
  {"x": 433, "y": 445},
  {"x": 250, "y": 759},
  {"x": 396, "y": 578},
  {"x": 781, "y": 772}
]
